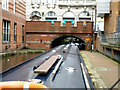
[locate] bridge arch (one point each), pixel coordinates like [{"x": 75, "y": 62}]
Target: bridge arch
[{"x": 68, "y": 39}]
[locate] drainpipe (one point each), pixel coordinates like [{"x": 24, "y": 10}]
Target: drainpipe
[
  {"x": 92, "y": 30},
  {"x": 95, "y": 25}
]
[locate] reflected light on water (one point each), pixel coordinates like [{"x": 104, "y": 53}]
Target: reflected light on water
[{"x": 10, "y": 61}]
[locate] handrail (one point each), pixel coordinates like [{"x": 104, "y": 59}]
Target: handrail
[{"x": 111, "y": 39}]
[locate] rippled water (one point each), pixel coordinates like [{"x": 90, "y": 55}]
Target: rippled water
[{"x": 10, "y": 61}]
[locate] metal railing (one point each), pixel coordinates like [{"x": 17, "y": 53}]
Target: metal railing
[{"x": 112, "y": 39}]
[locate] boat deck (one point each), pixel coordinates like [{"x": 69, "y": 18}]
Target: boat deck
[{"x": 69, "y": 74}]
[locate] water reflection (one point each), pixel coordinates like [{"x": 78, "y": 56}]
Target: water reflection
[{"x": 10, "y": 61}]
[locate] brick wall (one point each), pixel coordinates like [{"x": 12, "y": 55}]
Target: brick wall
[
  {"x": 41, "y": 34},
  {"x": 111, "y": 19},
  {"x": 0, "y": 25},
  {"x": 20, "y": 7},
  {"x": 44, "y": 40},
  {"x": 110, "y": 23},
  {"x": 57, "y": 28},
  {"x": 98, "y": 45},
  {"x": 19, "y": 21},
  {"x": 36, "y": 41},
  {"x": 18, "y": 18}
]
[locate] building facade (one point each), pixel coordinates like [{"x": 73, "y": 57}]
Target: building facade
[
  {"x": 60, "y": 10},
  {"x": 12, "y": 24},
  {"x": 56, "y": 18},
  {"x": 62, "y": 18},
  {"x": 109, "y": 40}
]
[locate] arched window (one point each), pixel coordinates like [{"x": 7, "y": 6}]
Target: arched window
[
  {"x": 85, "y": 13},
  {"x": 51, "y": 13},
  {"x": 68, "y": 17},
  {"x": 51, "y": 17},
  {"x": 84, "y": 16},
  {"x": 35, "y": 15}
]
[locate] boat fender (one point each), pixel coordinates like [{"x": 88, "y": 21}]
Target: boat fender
[{"x": 21, "y": 85}]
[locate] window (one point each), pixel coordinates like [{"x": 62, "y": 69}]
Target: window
[
  {"x": 51, "y": 13},
  {"x": 85, "y": 13},
  {"x": 50, "y": 16},
  {"x": 35, "y": 15},
  {"x": 23, "y": 33},
  {"x": 6, "y": 28},
  {"x": 15, "y": 34},
  {"x": 118, "y": 24},
  {"x": 14, "y": 7},
  {"x": 5, "y": 4},
  {"x": 68, "y": 15},
  {"x": 85, "y": 16}
]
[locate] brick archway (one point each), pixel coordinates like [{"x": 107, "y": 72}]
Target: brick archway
[
  {"x": 69, "y": 36},
  {"x": 42, "y": 34},
  {"x": 67, "y": 39}
]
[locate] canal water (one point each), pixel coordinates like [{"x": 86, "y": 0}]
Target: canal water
[{"x": 10, "y": 61}]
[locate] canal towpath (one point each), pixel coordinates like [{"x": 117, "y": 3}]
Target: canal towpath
[{"x": 103, "y": 70}]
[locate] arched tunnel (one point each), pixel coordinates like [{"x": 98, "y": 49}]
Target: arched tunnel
[{"x": 68, "y": 40}]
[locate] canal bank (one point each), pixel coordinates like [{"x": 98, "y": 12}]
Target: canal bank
[
  {"x": 104, "y": 71},
  {"x": 14, "y": 58},
  {"x": 11, "y": 53}
]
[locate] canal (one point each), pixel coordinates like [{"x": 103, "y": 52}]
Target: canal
[{"x": 8, "y": 62}]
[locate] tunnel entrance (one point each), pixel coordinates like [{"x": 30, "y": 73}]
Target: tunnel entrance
[{"x": 68, "y": 40}]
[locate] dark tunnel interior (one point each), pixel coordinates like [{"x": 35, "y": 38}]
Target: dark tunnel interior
[{"x": 68, "y": 40}]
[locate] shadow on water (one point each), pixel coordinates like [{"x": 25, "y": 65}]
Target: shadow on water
[{"x": 11, "y": 61}]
